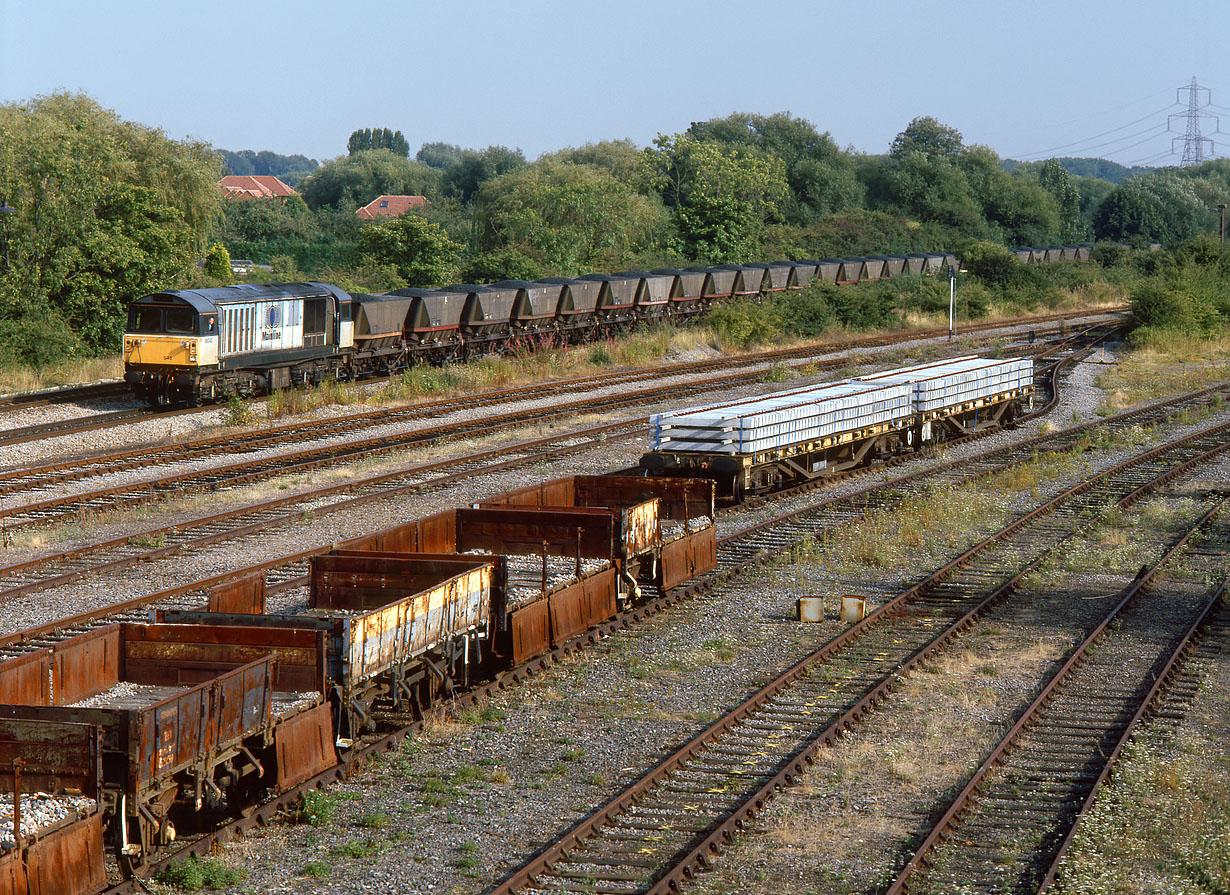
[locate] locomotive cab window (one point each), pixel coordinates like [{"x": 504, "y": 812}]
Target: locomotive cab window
[
  {"x": 145, "y": 320},
  {"x": 181, "y": 321}
]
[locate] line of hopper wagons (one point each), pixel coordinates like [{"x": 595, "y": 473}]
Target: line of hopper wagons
[
  {"x": 118, "y": 739},
  {"x": 199, "y": 345}
]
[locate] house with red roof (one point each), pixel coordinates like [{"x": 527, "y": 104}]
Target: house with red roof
[
  {"x": 254, "y": 186},
  {"x": 390, "y": 206}
]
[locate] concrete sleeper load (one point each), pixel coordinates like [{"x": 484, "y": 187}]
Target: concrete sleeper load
[{"x": 754, "y": 445}]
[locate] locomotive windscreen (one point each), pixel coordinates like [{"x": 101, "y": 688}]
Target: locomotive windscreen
[{"x": 153, "y": 319}]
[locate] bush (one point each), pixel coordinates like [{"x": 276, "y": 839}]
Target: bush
[
  {"x": 507, "y": 263},
  {"x": 37, "y": 340},
  {"x": 806, "y": 314},
  {"x": 992, "y": 263},
  {"x": 1108, "y": 254},
  {"x": 195, "y": 874},
  {"x": 218, "y": 262},
  {"x": 864, "y": 307},
  {"x": 743, "y": 324}
]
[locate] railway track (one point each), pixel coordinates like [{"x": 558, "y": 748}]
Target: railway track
[
  {"x": 1005, "y": 830},
  {"x": 25, "y": 580},
  {"x": 165, "y": 541},
  {"x": 162, "y": 542},
  {"x": 21, "y": 488},
  {"x": 97, "y": 422},
  {"x": 67, "y": 395},
  {"x": 674, "y": 820},
  {"x": 1170, "y": 698},
  {"x": 90, "y": 423},
  {"x": 269, "y": 811},
  {"x": 21, "y": 580}
]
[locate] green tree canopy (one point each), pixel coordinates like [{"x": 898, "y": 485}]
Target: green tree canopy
[
  {"x": 359, "y": 178},
  {"x": 927, "y": 136},
  {"x": 822, "y": 178},
  {"x": 218, "y": 262},
  {"x": 463, "y": 178},
  {"x": 1056, "y": 181},
  {"x": 289, "y": 168},
  {"x": 1163, "y": 207},
  {"x": 106, "y": 210},
  {"x": 1018, "y": 211},
  {"x": 722, "y": 194},
  {"x": 419, "y": 251},
  {"x": 439, "y": 155},
  {"x": 378, "y": 138},
  {"x": 621, "y": 157},
  {"x": 566, "y": 219}
]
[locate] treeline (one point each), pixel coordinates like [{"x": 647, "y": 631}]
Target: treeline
[
  {"x": 731, "y": 189},
  {"x": 108, "y": 209}
]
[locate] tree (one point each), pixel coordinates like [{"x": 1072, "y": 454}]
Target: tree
[
  {"x": 421, "y": 252},
  {"x": 290, "y": 168},
  {"x": 564, "y": 219},
  {"x": 926, "y": 189},
  {"x": 1018, "y": 210},
  {"x": 722, "y": 194},
  {"x": 1056, "y": 181},
  {"x": 464, "y": 177},
  {"x": 368, "y": 138},
  {"x": 622, "y": 158},
  {"x": 927, "y": 136},
  {"x": 218, "y": 262},
  {"x": 822, "y": 178},
  {"x": 1162, "y": 207},
  {"x": 439, "y": 155},
  {"x": 361, "y": 177},
  {"x": 107, "y": 210}
]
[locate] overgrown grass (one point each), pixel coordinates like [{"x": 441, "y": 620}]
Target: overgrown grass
[
  {"x": 315, "y": 809},
  {"x": 1164, "y": 363},
  {"x": 195, "y": 874},
  {"x": 1160, "y": 825},
  {"x": 937, "y": 520},
  {"x": 70, "y": 372}
]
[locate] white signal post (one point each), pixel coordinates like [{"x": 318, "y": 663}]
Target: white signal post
[{"x": 952, "y": 288}]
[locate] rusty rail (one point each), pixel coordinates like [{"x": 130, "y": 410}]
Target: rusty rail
[
  {"x": 1164, "y": 680},
  {"x": 965, "y": 798},
  {"x": 17, "y": 480}
]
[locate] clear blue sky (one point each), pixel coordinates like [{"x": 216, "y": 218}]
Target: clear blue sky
[{"x": 1021, "y": 77}]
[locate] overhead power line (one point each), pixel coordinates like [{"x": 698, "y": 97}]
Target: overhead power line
[{"x": 1046, "y": 152}]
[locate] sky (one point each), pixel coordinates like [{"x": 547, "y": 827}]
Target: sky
[{"x": 1029, "y": 79}]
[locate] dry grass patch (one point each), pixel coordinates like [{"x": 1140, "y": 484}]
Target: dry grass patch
[
  {"x": 1170, "y": 364},
  {"x": 935, "y": 521},
  {"x": 70, "y": 372}
]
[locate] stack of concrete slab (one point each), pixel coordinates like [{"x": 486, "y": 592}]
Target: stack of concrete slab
[
  {"x": 784, "y": 419},
  {"x": 950, "y": 383}
]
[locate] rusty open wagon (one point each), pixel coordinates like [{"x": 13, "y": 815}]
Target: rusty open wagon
[{"x": 190, "y": 718}]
